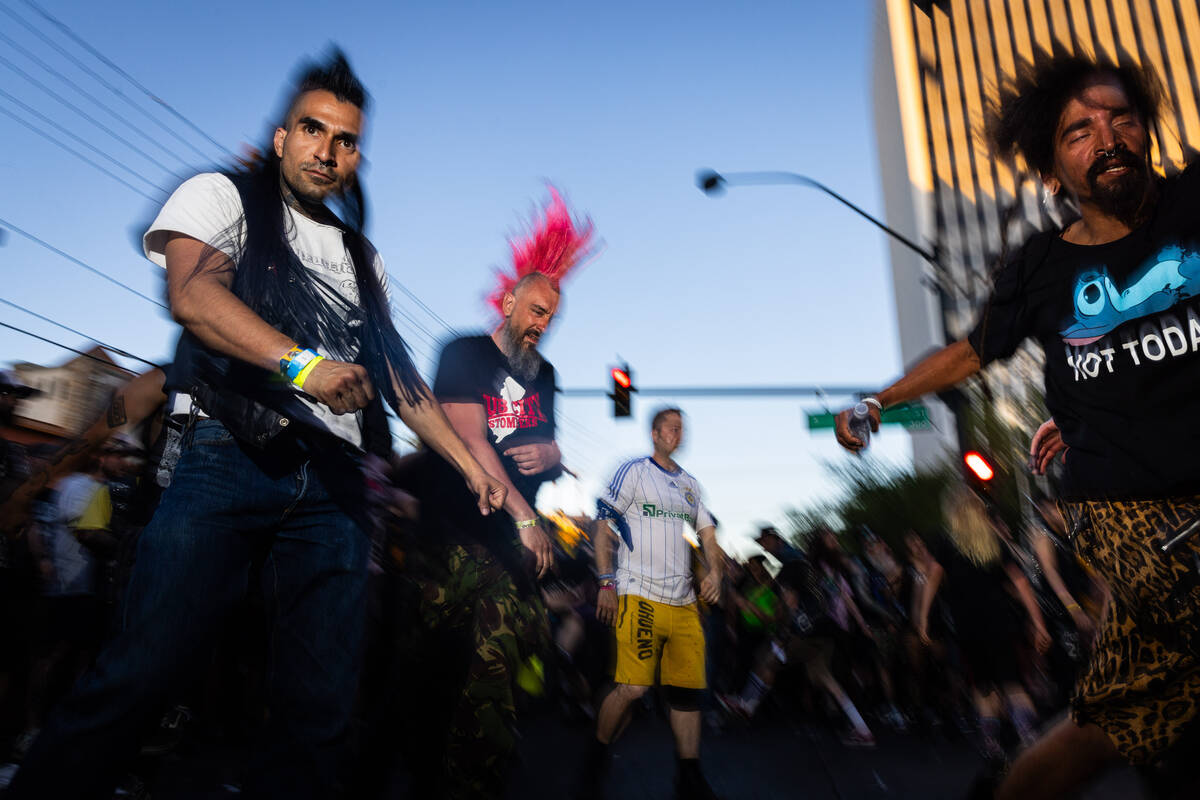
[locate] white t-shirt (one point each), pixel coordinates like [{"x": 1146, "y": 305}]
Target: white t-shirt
[
  {"x": 650, "y": 506},
  {"x": 206, "y": 208}
]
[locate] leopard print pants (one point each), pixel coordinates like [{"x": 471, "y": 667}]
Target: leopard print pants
[{"x": 1142, "y": 686}]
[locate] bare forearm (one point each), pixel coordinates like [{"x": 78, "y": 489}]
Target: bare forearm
[
  {"x": 514, "y": 504},
  {"x": 221, "y": 321},
  {"x": 198, "y": 289},
  {"x": 1048, "y": 560},
  {"x": 1025, "y": 592},
  {"x": 602, "y": 543},
  {"x": 929, "y": 590},
  {"x": 429, "y": 422},
  {"x": 713, "y": 554},
  {"x": 946, "y": 368}
]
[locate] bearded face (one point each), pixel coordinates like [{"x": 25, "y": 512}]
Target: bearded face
[{"x": 521, "y": 346}]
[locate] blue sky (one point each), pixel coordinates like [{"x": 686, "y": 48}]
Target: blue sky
[{"x": 477, "y": 105}]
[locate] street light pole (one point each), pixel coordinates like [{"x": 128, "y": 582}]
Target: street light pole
[{"x": 713, "y": 184}]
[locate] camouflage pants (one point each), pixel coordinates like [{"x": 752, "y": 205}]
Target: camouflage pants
[{"x": 473, "y": 622}]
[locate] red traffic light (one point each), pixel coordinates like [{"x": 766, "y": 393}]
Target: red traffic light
[
  {"x": 979, "y": 466},
  {"x": 621, "y": 377}
]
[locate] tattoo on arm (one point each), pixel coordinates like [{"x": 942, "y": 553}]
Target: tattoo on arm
[{"x": 116, "y": 413}]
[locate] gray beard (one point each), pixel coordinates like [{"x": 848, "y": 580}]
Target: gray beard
[{"x": 524, "y": 360}]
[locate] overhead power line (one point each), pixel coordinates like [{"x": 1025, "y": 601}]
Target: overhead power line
[
  {"x": 100, "y": 78},
  {"x": 69, "y": 329},
  {"x": 109, "y": 63},
  {"x": 122, "y": 139},
  {"x": 58, "y": 344},
  {"x": 124, "y": 120},
  {"x": 77, "y": 138},
  {"x": 392, "y": 279},
  {"x": 78, "y": 262},
  {"x": 77, "y": 154}
]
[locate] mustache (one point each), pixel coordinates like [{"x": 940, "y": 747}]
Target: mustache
[
  {"x": 1121, "y": 158},
  {"x": 317, "y": 166}
]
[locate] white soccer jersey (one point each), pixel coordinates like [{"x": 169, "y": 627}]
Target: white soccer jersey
[{"x": 650, "y": 507}]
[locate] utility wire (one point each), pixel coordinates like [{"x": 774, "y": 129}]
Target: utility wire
[
  {"x": 100, "y": 78},
  {"x": 77, "y": 138},
  {"x": 58, "y": 344},
  {"x": 78, "y": 154},
  {"x": 393, "y": 280},
  {"x": 108, "y": 62},
  {"x": 123, "y": 140},
  {"x": 78, "y": 262},
  {"x": 92, "y": 98},
  {"x": 69, "y": 329}
]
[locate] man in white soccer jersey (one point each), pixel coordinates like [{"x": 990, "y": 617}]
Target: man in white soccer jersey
[{"x": 650, "y": 600}]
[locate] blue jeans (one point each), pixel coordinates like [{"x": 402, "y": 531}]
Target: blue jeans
[{"x": 225, "y": 508}]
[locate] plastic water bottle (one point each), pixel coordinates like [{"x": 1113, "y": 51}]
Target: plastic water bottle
[{"x": 860, "y": 424}]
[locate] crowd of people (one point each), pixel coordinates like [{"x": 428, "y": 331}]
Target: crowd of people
[
  {"x": 253, "y": 566},
  {"x": 965, "y": 631}
]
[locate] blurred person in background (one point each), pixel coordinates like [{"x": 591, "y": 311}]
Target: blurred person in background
[
  {"x": 18, "y": 584},
  {"x": 992, "y": 605},
  {"x": 854, "y": 640},
  {"x": 1108, "y": 295},
  {"x": 757, "y": 606},
  {"x": 806, "y": 641},
  {"x": 75, "y": 539},
  {"x": 649, "y": 599},
  {"x": 934, "y": 685},
  {"x": 1072, "y": 600}
]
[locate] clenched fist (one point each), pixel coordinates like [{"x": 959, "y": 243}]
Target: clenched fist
[{"x": 344, "y": 387}]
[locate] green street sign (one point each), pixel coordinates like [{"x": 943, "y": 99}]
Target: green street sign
[{"x": 913, "y": 416}]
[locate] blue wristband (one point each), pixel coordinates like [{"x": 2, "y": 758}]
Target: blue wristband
[{"x": 297, "y": 363}]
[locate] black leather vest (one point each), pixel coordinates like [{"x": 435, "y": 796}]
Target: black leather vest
[{"x": 238, "y": 394}]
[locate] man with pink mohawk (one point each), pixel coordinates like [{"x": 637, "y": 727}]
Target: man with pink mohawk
[{"x": 477, "y": 598}]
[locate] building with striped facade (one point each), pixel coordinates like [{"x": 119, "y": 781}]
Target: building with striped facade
[{"x": 940, "y": 66}]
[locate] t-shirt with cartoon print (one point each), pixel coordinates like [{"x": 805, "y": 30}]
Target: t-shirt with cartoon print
[{"x": 1120, "y": 327}]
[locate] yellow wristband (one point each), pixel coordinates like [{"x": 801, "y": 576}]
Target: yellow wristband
[
  {"x": 526, "y": 523},
  {"x": 302, "y": 376}
]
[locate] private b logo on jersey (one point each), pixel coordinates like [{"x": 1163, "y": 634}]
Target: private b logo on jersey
[{"x": 651, "y": 510}]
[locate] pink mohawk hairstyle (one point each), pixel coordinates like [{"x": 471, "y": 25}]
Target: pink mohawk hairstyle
[{"x": 554, "y": 246}]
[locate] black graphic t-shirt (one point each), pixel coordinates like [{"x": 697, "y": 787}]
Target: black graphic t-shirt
[
  {"x": 1120, "y": 326},
  {"x": 473, "y": 370}
]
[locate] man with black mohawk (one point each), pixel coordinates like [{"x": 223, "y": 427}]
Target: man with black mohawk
[{"x": 287, "y": 350}]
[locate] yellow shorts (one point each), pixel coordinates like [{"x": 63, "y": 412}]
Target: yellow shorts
[{"x": 650, "y": 634}]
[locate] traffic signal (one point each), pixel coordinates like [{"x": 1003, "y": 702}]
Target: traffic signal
[
  {"x": 980, "y": 470},
  {"x": 622, "y": 386}
]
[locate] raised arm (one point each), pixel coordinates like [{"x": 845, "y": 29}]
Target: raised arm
[{"x": 946, "y": 368}]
